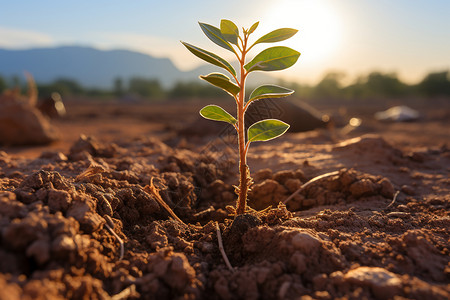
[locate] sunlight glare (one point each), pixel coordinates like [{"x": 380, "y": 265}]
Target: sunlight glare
[{"x": 318, "y": 24}]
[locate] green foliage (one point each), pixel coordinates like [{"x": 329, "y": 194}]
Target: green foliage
[
  {"x": 271, "y": 59},
  {"x": 2, "y": 84},
  {"x": 277, "y": 35},
  {"x": 229, "y": 31},
  {"x": 210, "y": 57},
  {"x": 147, "y": 88},
  {"x": 435, "y": 84},
  {"x": 119, "y": 89},
  {"x": 63, "y": 86},
  {"x": 222, "y": 82},
  {"x": 195, "y": 89},
  {"x": 269, "y": 91},
  {"x": 217, "y": 113},
  {"x": 214, "y": 34},
  {"x": 266, "y": 130}
]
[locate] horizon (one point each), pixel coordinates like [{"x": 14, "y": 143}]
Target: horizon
[
  {"x": 408, "y": 38},
  {"x": 339, "y": 75}
]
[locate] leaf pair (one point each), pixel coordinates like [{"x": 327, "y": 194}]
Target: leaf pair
[
  {"x": 271, "y": 59},
  {"x": 264, "y": 130}
]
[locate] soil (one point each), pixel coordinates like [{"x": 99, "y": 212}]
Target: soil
[{"x": 376, "y": 227}]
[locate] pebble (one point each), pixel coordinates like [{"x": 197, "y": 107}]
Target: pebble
[
  {"x": 305, "y": 242},
  {"x": 384, "y": 284},
  {"x": 399, "y": 214}
]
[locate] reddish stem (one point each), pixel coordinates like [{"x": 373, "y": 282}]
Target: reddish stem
[{"x": 243, "y": 168}]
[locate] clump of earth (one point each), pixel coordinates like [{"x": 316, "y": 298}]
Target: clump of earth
[{"x": 377, "y": 226}]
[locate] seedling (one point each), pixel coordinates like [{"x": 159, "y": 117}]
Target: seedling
[{"x": 271, "y": 59}]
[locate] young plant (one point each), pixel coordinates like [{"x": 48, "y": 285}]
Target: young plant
[{"x": 271, "y": 59}]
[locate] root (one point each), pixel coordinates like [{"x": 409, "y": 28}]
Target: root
[
  {"x": 126, "y": 293},
  {"x": 222, "y": 250},
  {"x": 393, "y": 200},
  {"x": 110, "y": 225},
  {"x": 303, "y": 186}
]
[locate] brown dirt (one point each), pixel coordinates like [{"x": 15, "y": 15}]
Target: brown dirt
[{"x": 342, "y": 237}]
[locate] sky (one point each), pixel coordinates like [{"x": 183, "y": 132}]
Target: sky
[{"x": 407, "y": 37}]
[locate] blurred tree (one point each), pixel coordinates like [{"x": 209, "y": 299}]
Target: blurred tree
[
  {"x": 195, "y": 89},
  {"x": 118, "y": 87},
  {"x": 2, "y": 84},
  {"x": 330, "y": 86},
  {"x": 389, "y": 85},
  {"x": 64, "y": 86},
  {"x": 149, "y": 88},
  {"x": 435, "y": 84},
  {"x": 356, "y": 89}
]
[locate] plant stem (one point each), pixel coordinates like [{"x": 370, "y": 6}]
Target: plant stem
[{"x": 243, "y": 168}]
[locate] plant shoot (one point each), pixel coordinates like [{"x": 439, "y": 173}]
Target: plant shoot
[{"x": 275, "y": 58}]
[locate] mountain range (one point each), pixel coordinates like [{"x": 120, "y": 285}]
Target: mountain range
[{"x": 91, "y": 67}]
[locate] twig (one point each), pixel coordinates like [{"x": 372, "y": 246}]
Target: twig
[
  {"x": 393, "y": 200},
  {"x": 129, "y": 291},
  {"x": 222, "y": 250},
  {"x": 308, "y": 183},
  {"x": 110, "y": 229},
  {"x": 155, "y": 192},
  {"x": 93, "y": 169}
]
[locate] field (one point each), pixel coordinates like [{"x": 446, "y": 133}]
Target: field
[{"x": 376, "y": 227}]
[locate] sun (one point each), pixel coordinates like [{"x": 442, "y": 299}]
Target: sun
[{"x": 318, "y": 23}]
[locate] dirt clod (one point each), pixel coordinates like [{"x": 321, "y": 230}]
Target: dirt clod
[{"x": 376, "y": 228}]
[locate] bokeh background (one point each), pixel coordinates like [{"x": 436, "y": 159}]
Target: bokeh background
[{"x": 350, "y": 48}]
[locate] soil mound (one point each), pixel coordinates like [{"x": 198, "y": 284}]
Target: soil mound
[{"x": 85, "y": 225}]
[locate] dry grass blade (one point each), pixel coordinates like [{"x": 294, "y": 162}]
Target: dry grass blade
[
  {"x": 155, "y": 192},
  {"x": 126, "y": 293},
  {"x": 222, "y": 250},
  {"x": 308, "y": 183},
  {"x": 110, "y": 229},
  {"x": 90, "y": 171},
  {"x": 393, "y": 200}
]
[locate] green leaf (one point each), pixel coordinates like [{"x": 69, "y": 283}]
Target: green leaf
[
  {"x": 217, "y": 113},
  {"x": 253, "y": 28},
  {"x": 277, "y": 35},
  {"x": 273, "y": 59},
  {"x": 214, "y": 34},
  {"x": 269, "y": 91},
  {"x": 229, "y": 31},
  {"x": 222, "y": 82},
  {"x": 266, "y": 130},
  {"x": 210, "y": 57}
]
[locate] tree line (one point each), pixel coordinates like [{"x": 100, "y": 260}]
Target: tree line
[{"x": 375, "y": 84}]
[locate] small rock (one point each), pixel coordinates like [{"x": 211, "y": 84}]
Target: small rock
[
  {"x": 40, "y": 251},
  {"x": 363, "y": 187},
  {"x": 23, "y": 124},
  {"x": 387, "y": 189},
  {"x": 307, "y": 203},
  {"x": 305, "y": 242},
  {"x": 282, "y": 176},
  {"x": 292, "y": 184},
  {"x": 89, "y": 221},
  {"x": 58, "y": 200},
  {"x": 384, "y": 284},
  {"x": 262, "y": 175},
  {"x": 298, "y": 261},
  {"x": 53, "y": 155},
  {"x": 408, "y": 190}
]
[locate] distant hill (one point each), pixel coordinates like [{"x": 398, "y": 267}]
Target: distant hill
[{"x": 98, "y": 68}]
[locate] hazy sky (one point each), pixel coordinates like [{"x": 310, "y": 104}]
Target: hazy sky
[{"x": 409, "y": 37}]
